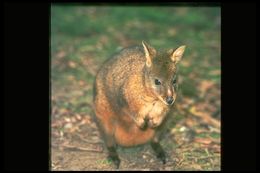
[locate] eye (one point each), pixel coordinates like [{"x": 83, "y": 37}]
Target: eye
[
  {"x": 157, "y": 82},
  {"x": 174, "y": 81}
]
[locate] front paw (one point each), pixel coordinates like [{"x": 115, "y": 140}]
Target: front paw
[{"x": 142, "y": 123}]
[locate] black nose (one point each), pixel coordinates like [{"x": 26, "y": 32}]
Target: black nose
[{"x": 169, "y": 100}]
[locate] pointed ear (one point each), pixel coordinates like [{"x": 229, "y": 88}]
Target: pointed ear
[
  {"x": 149, "y": 53},
  {"x": 177, "y": 54}
]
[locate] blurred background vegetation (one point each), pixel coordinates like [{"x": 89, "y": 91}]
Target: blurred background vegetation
[{"x": 83, "y": 37}]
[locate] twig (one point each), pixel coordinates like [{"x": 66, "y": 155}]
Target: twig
[
  {"x": 88, "y": 141},
  {"x": 75, "y": 148},
  {"x": 207, "y": 157}
]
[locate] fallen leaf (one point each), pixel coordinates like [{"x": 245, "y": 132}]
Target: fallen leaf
[
  {"x": 215, "y": 72},
  {"x": 203, "y": 140},
  {"x": 204, "y": 86},
  {"x": 78, "y": 117},
  {"x": 183, "y": 128},
  {"x": 73, "y": 119},
  {"x": 72, "y": 64},
  {"x": 56, "y": 124},
  {"x": 63, "y": 111},
  {"x": 196, "y": 166},
  {"x": 215, "y": 148},
  {"x": 61, "y": 54},
  {"x": 68, "y": 126},
  {"x": 67, "y": 119}
]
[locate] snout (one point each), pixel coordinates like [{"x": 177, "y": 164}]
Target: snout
[{"x": 169, "y": 100}]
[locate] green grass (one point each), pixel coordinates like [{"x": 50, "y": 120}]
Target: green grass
[
  {"x": 215, "y": 135},
  {"x": 82, "y": 33},
  {"x": 81, "y": 27}
]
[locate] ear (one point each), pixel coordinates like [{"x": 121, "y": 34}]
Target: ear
[
  {"x": 177, "y": 54},
  {"x": 149, "y": 53}
]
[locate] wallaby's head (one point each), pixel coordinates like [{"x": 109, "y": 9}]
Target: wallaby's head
[{"x": 161, "y": 72}]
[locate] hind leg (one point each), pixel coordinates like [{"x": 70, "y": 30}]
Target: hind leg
[
  {"x": 112, "y": 155},
  {"x": 160, "y": 153},
  {"x": 111, "y": 147},
  {"x": 107, "y": 132},
  {"x": 105, "y": 119},
  {"x": 156, "y": 146}
]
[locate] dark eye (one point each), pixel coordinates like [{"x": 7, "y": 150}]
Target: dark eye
[
  {"x": 174, "y": 81},
  {"x": 157, "y": 82}
]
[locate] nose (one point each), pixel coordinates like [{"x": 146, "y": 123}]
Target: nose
[{"x": 169, "y": 100}]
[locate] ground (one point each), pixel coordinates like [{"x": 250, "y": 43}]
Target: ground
[{"x": 83, "y": 37}]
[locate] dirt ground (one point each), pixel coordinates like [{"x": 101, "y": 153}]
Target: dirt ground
[
  {"x": 76, "y": 144},
  {"x": 84, "y": 151}
]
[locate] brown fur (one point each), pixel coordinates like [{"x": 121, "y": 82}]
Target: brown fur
[{"x": 125, "y": 95}]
